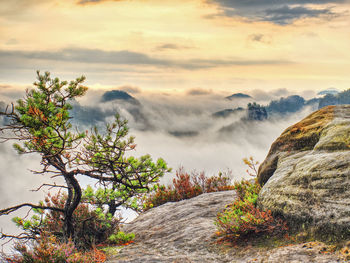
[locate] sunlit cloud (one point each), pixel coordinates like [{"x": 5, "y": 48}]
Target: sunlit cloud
[
  {"x": 282, "y": 12},
  {"x": 125, "y": 57}
]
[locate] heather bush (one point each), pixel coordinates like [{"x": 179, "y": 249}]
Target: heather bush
[
  {"x": 243, "y": 218},
  {"x": 50, "y": 250},
  {"x": 186, "y": 186},
  {"x": 92, "y": 226}
]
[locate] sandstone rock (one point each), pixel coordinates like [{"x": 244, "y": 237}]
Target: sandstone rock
[
  {"x": 306, "y": 174},
  {"x": 177, "y": 232},
  {"x": 183, "y": 232}
]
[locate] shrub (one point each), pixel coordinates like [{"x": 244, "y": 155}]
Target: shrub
[
  {"x": 121, "y": 238},
  {"x": 243, "y": 218},
  {"x": 92, "y": 226},
  {"x": 50, "y": 250},
  {"x": 186, "y": 186}
]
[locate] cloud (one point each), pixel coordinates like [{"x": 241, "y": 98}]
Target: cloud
[
  {"x": 10, "y": 93},
  {"x": 84, "y": 2},
  {"x": 130, "y": 89},
  {"x": 256, "y": 37},
  {"x": 5, "y": 86},
  {"x": 280, "y": 92},
  {"x": 2, "y": 106},
  {"x": 168, "y": 46},
  {"x": 199, "y": 91},
  {"x": 16, "y": 183},
  {"x": 280, "y": 12},
  {"x": 261, "y": 38},
  {"x": 123, "y": 57},
  {"x": 285, "y": 14},
  {"x": 20, "y": 9},
  {"x": 266, "y": 96},
  {"x": 11, "y": 41},
  {"x": 251, "y": 4}
]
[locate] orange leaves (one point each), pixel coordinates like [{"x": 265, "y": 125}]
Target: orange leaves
[
  {"x": 33, "y": 111},
  {"x": 132, "y": 146},
  {"x": 187, "y": 186},
  {"x": 39, "y": 141},
  {"x": 243, "y": 218},
  {"x": 127, "y": 243},
  {"x": 99, "y": 256},
  {"x": 252, "y": 171},
  {"x": 59, "y": 116}
]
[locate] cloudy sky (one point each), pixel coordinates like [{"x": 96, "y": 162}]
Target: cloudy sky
[{"x": 174, "y": 46}]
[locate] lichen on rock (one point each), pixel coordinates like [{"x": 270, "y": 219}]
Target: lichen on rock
[{"x": 306, "y": 175}]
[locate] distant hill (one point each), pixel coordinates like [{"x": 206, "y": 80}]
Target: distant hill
[
  {"x": 227, "y": 112},
  {"x": 286, "y": 105},
  {"x": 328, "y": 91},
  {"x": 337, "y": 99},
  {"x": 118, "y": 95},
  {"x": 182, "y": 134},
  {"x": 312, "y": 101},
  {"x": 238, "y": 96}
]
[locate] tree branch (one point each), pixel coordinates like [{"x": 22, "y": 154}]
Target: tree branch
[
  {"x": 52, "y": 186},
  {"x": 9, "y": 210}
]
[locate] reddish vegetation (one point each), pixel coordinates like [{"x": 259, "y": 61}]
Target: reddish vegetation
[
  {"x": 242, "y": 218},
  {"x": 186, "y": 186},
  {"x": 90, "y": 227}
]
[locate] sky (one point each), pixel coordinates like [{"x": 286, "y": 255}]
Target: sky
[
  {"x": 179, "y": 59},
  {"x": 173, "y": 46}
]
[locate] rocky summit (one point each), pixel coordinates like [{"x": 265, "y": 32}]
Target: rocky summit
[
  {"x": 184, "y": 232},
  {"x": 177, "y": 231},
  {"x": 306, "y": 174}
]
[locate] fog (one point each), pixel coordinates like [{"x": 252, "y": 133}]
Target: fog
[{"x": 180, "y": 128}]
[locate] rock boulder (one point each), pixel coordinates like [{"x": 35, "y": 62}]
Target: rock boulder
[{"x": 306, "y": 174}]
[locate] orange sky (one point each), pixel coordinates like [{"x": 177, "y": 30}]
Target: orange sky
[{"x": 221, "y": 45}]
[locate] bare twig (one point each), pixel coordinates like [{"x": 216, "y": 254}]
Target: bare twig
[
  {"x": 51, "y": 186},
  {"x": 9, "y": 210}
]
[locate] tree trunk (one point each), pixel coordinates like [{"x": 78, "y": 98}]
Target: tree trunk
[
  {"x": 73, "y": 200},
  {"x": 112, "y": 207}
]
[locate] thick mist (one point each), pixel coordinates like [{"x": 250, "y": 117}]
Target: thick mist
[{"x": 179, "y": 128}]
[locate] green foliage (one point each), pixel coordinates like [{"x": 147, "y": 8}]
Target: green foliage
[
  {"x": 104, "y": 196},
  {"x": 132, "y": 176},
  {"x": 186, "y": 186},
  {"x": 121, "y": 238},
  {"x": 44, "y": 115},
  {"x": 243, "y": 218}
]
